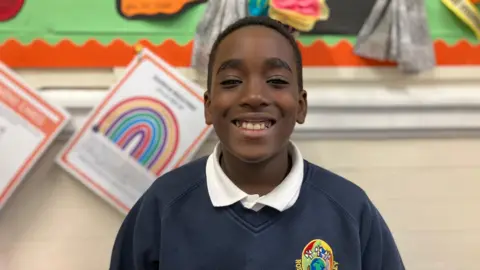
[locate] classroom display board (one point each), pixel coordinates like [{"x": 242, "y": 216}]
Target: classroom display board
[
  {"x": 150, "y": 123},
  {"x": 28, "y": 125},
  {"x": 94, "y": 34}
]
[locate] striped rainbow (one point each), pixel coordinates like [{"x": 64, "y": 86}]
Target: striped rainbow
[{"x": 144, "y": 126}]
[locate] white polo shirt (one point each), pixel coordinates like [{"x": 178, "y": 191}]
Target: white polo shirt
[{"x": 223, "y": 192}]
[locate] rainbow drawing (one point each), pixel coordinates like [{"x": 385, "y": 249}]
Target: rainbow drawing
[{"x": 145, "y": 127}]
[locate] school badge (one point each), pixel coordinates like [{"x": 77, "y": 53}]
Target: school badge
[{"x": 317, "y": 255}]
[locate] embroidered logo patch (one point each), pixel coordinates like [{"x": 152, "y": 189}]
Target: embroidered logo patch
[{"x": 317, "y": 255}]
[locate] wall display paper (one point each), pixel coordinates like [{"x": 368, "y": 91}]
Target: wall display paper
[
  {"x": 153, "y": 9},
  {"x": 28, "y": 125},
  {"x": 342, "y": 20},
  {"x": 300, "y": 15},
  {"x": 9, "y": 9},
  {"x": 467, "y": 12},
  {"x": 151, "y": 122}
]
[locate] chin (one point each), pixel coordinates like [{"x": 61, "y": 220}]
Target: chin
[{"x": 252, "y": 154}]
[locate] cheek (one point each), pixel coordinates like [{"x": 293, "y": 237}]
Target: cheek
[
  {"x": 288, "y": 104},
  {"x": 290, "y": 124},
  {"x": 218, "y": 112},
  {"x": 222, "y": 104}
]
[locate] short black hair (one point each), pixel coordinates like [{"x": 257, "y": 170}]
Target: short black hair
[{"x": 257, "y": 21}]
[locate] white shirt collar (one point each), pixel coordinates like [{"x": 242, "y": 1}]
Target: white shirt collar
[{"x": 223, "y": 192}]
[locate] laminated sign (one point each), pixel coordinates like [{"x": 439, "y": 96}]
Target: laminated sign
[
  {"x": 28, "y": 125},
  {"x": 150, "y": 122}
]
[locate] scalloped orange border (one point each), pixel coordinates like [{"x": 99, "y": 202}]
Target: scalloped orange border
[{"x": 92, "y": 54}]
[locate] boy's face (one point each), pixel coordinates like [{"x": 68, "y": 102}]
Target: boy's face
[{"x": 254, "y": 100}]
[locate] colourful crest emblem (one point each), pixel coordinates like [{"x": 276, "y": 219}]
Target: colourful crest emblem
[{"x": 317, "y": 255}]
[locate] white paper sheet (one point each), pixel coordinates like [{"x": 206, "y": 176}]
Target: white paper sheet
[
  {"x": 150, "y": 122},
  {"x": 28, "y": 125}
]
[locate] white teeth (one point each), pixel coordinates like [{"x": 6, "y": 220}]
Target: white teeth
[{"x": 253, "y": 125}]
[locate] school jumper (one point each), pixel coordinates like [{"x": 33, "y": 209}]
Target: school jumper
[{"x": 194, "y": 217}]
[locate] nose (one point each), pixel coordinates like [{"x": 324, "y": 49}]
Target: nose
[{"x": 255, "y": 95}]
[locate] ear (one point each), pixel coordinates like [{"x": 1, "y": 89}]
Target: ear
[
  {"x": 206, "y": 104},
  {"x": 302, "y": 107}
]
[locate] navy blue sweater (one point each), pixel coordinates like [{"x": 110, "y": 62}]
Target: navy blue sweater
[{"x": 333, "y": 225}]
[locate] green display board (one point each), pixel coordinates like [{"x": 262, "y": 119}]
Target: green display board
[
  {"x": 79, "y": 21},
  {"x": 54, "y": 20}
]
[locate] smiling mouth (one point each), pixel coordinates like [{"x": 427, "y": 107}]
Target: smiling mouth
[{"x": 254, "y": 125}]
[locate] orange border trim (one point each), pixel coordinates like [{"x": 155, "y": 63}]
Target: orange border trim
[{"x": 92, "y": 54}]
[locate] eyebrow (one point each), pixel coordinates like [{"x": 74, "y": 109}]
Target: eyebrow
[
  {"x": 230, "y": 64},
  {"x": 272, "y": 63},
  {"x": 277, "y": 63}
]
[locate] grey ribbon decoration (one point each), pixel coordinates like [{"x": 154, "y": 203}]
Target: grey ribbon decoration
[{"x": 397, "y": 30}]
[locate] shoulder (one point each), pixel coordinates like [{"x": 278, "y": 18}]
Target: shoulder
[
  {"x": 348, "y": 197},
  {"x": 178, "y": 182}
]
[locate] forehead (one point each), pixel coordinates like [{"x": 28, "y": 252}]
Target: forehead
[{"x": 252, "y": 43}]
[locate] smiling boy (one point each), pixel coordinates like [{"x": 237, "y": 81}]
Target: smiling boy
[{"x": 254, "y": 203}]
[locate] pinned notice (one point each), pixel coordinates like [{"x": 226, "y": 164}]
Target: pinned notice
[
  {"x": 150, "y": 122},
  {"x": 28, "y": 125}
]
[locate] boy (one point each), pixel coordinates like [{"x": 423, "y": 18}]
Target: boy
[{"x": 254, "y": 204}]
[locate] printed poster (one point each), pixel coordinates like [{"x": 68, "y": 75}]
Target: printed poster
[
  {"x": 149, "y": 123},
  {"x": 28, "y": 125}
]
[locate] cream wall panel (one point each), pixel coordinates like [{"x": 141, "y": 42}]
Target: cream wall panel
[
  {"x": 345, "y": 154},
  {"x": 54, "y": 223},
  {"x": 100, "y": 78}
]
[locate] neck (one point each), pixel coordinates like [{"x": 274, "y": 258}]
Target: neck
[{"x": 257, "y": 178}]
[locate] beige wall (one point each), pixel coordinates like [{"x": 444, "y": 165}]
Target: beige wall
[{"x": 428, "y": 190}]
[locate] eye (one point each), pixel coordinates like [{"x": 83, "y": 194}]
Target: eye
[
  {"x": 277, "y": 83},
  {"x": 230, "y": 83}
]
